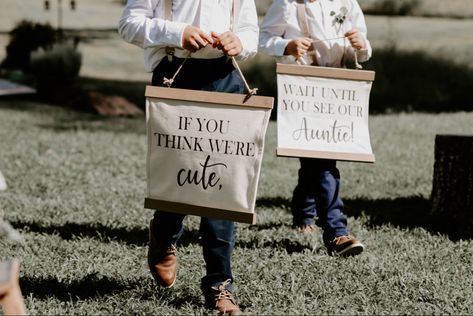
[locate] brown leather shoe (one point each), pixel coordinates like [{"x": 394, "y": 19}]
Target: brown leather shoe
[
  {"x": 345, "y": 246},
  {"x": 307, "y": 229},
  {"x": 224, "y": 300},
  {"x": 162, "y": 261}
]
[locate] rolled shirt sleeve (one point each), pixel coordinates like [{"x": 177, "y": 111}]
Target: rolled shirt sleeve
[
  {"x": 271, "y": 38},
  {"x": 143, "y": 24},
  {"x": 139, "y": 26},
  {"x": 358, "y": 22},
  {"x": 281, "y": 25}
]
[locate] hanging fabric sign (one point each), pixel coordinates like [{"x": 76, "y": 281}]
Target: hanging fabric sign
[
  {"x": 204, "y": 152},
  {"x": 323, "y": 113}
]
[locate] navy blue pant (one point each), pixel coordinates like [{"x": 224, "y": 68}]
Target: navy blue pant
[
  {"x": 317, "y": 195},
  {"x": 218, "y": 236}
]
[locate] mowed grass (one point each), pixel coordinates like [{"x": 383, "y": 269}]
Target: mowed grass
[{"x": 76, "y": 188}]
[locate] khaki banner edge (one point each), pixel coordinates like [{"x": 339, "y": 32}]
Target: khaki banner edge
[
  {"x": 187, "y": 209},
  {"x": 210, "y": 97},
  {"x": 304, "y": 153}
]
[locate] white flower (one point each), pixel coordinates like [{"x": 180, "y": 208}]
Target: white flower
[{"x": 339, "y": 18}]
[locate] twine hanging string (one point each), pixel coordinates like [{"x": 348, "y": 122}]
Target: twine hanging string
[
  {"x": 357, "y": 64},
  {"x": 251, "y": 92},
  {"x": 169, "y": 82},
  {"x": 248, "y": 89}
]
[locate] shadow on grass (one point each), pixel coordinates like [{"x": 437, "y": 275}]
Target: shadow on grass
[
  {"x": 95, "y": 286},
  {"x": 408, "y": 212},
  {"x": 68, "y": 231},
  {"x": 91, "y": 286},
  {"x": 273, "y": 202},
  {"x": 185, "y": 297},
  {"x": 139, "y": 235},
  {"x": 93, "y": 123},
  {"x": 291, "y": 246}
]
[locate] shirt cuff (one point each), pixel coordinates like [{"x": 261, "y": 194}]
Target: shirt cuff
[
  {"x": 362, "y": 54},
  {"x": 249, "y": 48},
  {"x": 280, "y": 46},
  {"x": 174, "y": 33}
]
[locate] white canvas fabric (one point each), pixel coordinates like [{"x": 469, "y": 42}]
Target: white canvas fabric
[
  {"x": 324, "y": 115},
  {"x": 204, "y": 154}
]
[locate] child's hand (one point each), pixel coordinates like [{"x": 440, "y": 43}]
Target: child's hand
[
  {"x": 227, "y": 42},
  {"x": 356, "y": 40},
  {"x": 194, "y": 38},
  {"x": 298, "y": 47}
]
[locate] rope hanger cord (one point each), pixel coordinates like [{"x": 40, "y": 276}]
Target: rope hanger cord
[
  {"x": 169, "y": 82},
  {"x": 357, "y": 64}
]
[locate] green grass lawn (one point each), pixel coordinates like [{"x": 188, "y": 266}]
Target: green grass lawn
[{"x": 76, "y": 189}]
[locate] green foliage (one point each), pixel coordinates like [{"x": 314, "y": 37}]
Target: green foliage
[
  {"x": 36, "y": 57},
  {"x": 414, "y": 81},
  {"x": 25, "y": 38},
  {"x": 60, "y": 64},
  {"x": 433, "y": 8},
  {"x": 76, "y": 188},
  {"x": 55, "y": 71},
  {"x": 391, "y": 7}
]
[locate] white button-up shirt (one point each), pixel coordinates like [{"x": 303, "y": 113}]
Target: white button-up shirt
[
  {"x": 328, "y": 21},
  {"x": 143, "y": 24}
]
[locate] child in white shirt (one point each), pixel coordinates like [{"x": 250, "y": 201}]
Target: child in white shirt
[
  {"x": 168, "y": 30},
  {"x": 333, "y": 33}
]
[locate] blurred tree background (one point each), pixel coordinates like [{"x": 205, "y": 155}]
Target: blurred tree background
[{"x": 421, "y": 64}]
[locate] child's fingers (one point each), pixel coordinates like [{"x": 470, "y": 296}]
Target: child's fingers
[
  {"x": 226, "y": 38},
  {"x": 351, "y": 32},
  {"x": 352, "y": 35},
  {"x": 233, "y": 51},
  {"x": 306, "y": 42},
  {"x": 357, "y": 42},
  {"x": 193, "y": 45},
  {"x": 206, "y": 38},
  {"x": 228, "y": 42},
  {"x": 201, "y": 42}
]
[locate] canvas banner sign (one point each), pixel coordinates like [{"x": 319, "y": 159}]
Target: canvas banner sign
[
  {"x": 323, "y": 113},
  {"x": 204, "y": 152}
]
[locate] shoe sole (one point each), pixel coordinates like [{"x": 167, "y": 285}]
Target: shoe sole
[
  {"x": 159, "y": 283},
  {"x": 169, "y": 286},
  {"x": 157, "y": 280},
  {"x": 163, "y": 285},
  {"x": 351, "y": 250}
]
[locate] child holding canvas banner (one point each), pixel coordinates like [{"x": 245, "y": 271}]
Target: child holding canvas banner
[
  {"x": 324, "y": 33},
  {"x": 213, "y": 31}
]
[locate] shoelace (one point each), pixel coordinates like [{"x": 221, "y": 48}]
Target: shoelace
[
  {"x": 171, "y": 250},
  {"x": 223, "y": 293}
]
